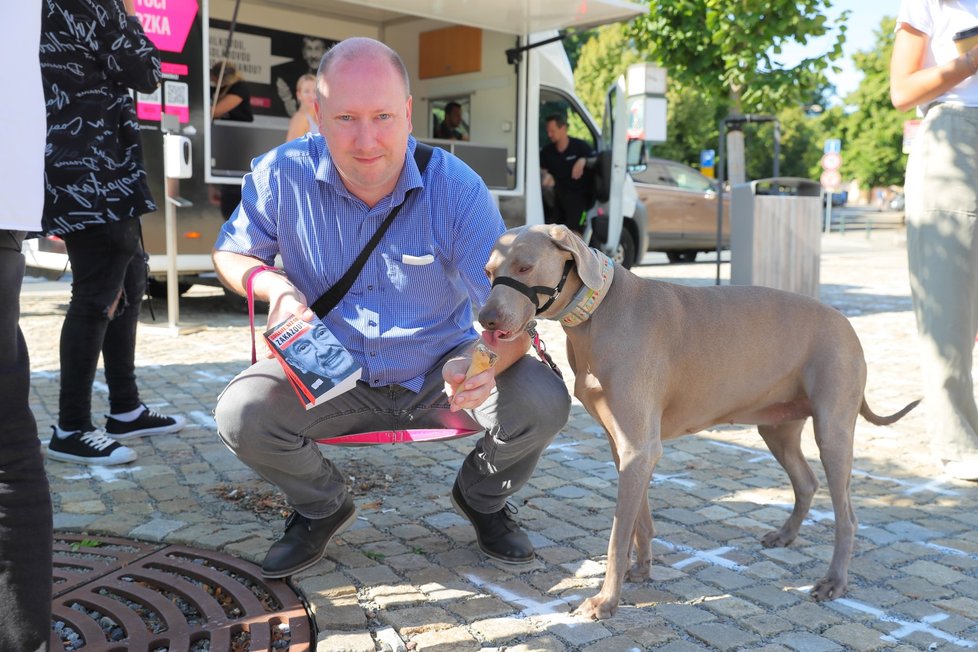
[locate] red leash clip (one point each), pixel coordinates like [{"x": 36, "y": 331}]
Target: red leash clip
[{"x": 541, "y": 348}]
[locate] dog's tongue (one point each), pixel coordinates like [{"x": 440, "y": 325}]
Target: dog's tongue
[{"x": 491, "y": 338}]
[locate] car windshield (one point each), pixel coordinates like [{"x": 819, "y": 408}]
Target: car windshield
[{"x": 689, "y": 179}]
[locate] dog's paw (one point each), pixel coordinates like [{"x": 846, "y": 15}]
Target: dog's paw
[
  {"x": 777, "y": 539},
  {"x": 828, "y": 588},
  {"x": 597, "y": 608},
  {"x": 639, "y": 572}
]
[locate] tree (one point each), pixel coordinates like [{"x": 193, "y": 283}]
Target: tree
[
  {"x": 873, "y": 147},
  {"x": 603, "y": 58},
  {"x": 729, "y": 47}
]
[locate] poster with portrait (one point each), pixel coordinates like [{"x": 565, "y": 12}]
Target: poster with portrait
[{"x": 270, "y": 61}]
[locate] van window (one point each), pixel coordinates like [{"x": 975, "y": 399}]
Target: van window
[
  {"x": 454, "y": 126},
  {"x": 553, "y": 102}
]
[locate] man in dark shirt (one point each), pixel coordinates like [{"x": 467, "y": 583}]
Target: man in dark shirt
[
  {"x": 562, "y": 168},
  {"x": 451, "y": 127}
]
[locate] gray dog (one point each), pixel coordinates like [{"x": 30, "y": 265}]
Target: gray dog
[{"x": 654, "y": 361}]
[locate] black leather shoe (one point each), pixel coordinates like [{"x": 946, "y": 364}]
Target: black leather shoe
[
  {"x": 498, "y": 535},
  {"x": 304, "y": 541}
]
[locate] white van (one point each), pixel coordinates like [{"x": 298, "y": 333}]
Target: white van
[{"x": 499, "y": 59}]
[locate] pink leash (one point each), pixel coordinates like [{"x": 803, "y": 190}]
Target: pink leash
[{"x": 357, "y": 438}]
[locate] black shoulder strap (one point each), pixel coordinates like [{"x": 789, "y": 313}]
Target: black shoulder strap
[{"x": 332, "y": 296}]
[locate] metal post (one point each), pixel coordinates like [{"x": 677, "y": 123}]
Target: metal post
[
  {"x": 721, "y": 166},
  {"x": 170, "y": 125},
  {"x": 172, "y": 279}
]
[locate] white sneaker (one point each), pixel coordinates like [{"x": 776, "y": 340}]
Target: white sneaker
[{"x": 91, "y": 447}]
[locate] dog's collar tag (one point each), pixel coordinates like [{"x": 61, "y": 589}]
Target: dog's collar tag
[{"x": 532, "y": 292}]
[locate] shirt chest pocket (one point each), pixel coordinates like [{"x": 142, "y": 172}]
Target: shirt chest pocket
[{"x": 416, "y": 272}]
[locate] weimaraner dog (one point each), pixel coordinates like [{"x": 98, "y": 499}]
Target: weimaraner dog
[{"x": 655, "y": 360}]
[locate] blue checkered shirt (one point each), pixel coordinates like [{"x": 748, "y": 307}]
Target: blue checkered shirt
[{"x": 413, "y": 301}]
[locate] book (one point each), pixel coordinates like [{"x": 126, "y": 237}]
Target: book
[{"x": 318, "y": 367}]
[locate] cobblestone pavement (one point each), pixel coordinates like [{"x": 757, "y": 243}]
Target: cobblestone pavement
[{"x": 409, "y": 573}]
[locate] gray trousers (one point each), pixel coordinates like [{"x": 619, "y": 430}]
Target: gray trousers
[
  {"x": 262, "y": 421},
  {"x": 942, "y": 246}
]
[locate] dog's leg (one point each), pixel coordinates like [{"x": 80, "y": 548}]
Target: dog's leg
[
  {"x": 834, "y": 438},
  {"x": 634, "y": 472},
  {"x": 642, "y": 541},
  {"x": 784, "y": 441}
]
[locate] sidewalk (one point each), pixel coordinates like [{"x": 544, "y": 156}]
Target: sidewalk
[{"x": 409, "y": 573}]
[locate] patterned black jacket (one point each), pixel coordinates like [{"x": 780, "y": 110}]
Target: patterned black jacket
[{"x": 92, "y": 53}]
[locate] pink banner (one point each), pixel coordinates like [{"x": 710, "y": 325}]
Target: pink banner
[
  {"x": 167, "y": 22},
  {"x": 174, "y": 68},
  {"x": 149, "y": 111}
]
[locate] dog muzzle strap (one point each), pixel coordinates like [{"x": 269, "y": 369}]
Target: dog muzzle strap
[{"x": 532, "y": 293}]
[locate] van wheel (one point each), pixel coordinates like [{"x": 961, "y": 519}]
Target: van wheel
[
  {"x": 157, "y": 289},
  {"x": 625, "y": 253}
]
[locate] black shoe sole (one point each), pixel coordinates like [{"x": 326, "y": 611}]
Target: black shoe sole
[
  {"x": 309, "y": 563},
  {"x": 463, "y": 512}
]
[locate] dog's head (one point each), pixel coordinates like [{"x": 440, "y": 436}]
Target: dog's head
[{"x": 534, "y": 258}]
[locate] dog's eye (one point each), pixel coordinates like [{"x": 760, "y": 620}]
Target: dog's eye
[{"x": 525, "y": 269}]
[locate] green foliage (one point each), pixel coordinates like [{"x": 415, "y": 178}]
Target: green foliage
[
  {"x": 602, "y": 60},
  {"x": 872, "y": 150},
  {"x": 730, "y": 47},
  {"x": 705, "y": 70},
  {"x": 574, "y": 40}
]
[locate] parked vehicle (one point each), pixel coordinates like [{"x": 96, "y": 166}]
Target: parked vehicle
[
  {"x": 499, "y": 61},
  {"x": 898, "y": 202},
  {"x": 838, "y": 198},
  {"x": 681, "y": 209}
]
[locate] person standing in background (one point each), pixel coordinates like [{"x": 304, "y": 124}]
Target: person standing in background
[
  {"x": 25, "y": 499},
  {"x": 929, "y": 71},
  {"x": 92, "y": 53},
  {"x": 562, "y": 167},
  {"x": 233, "y": 102},
  {"x": 233, "y": 96},
  {"x": 304, "y": 120}
]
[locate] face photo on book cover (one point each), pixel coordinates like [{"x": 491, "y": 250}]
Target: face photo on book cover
[{"x": 319, "y": 353}]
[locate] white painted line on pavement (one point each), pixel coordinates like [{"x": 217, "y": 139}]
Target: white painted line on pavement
[
  {"x": 712, "y": 557},
  {"x": 105, "y": 473},
  {"x": 934, "y": 486},
  {"x": 530, "y": 607},
  {"x": 203, "y": 419},
  {"x": 907, "y": 627},
  {"x": 675, "y": 478},
  {"x": 950, "y": 551},
  {"x": 390, "y": 639},
  {"x": 221, "y": 378}
]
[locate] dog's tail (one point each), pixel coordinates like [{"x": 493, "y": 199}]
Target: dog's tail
[{"x": 877, "y": 420}]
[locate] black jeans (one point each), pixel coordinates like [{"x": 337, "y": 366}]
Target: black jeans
[
  {"x": 108, "y": 269},
  {"x": 25, "y": 501}
]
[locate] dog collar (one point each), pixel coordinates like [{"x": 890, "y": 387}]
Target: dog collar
[{"x": 587, "y": 300}]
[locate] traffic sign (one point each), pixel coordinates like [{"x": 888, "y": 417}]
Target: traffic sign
[
  {"x": 832, "y": 146},
  {"x": 831, "y": 179},
  {"x": 831, "y": 161}
]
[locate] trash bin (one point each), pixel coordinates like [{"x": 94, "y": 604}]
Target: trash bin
[{"x": 775, "y": 234}]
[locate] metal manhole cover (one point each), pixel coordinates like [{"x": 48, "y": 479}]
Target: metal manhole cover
[{"x": 117, "y": 595}]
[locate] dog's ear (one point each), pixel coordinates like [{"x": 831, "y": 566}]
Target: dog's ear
[{"x": 586, "y": 259}]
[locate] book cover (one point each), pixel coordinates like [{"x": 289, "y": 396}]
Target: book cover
[{"x": 316, "y": 364}]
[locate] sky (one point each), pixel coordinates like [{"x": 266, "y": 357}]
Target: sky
[{"x": 864, "y": 19}]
